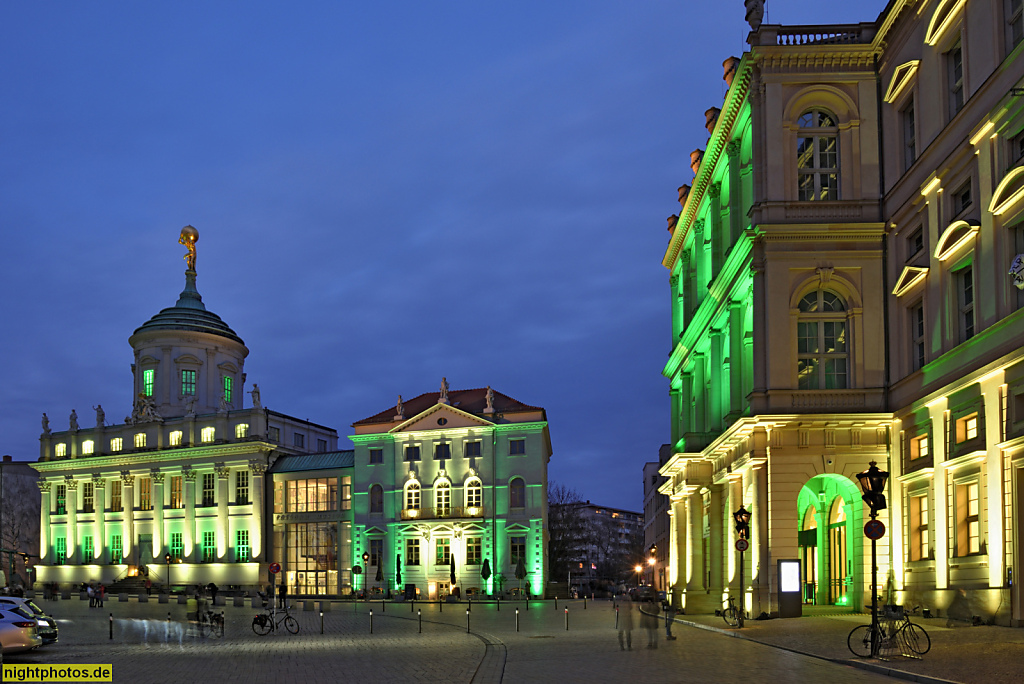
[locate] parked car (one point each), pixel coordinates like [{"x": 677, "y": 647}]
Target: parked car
[
  {"x": 46, "y": 626},
  {"x": 18, "y": 631}
]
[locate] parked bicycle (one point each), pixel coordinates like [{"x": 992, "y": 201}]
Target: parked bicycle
[
  {"x": 895, "y": 633},
  {"x": 211, "y": 624},
  {"x": 264, "y": 623},
  {"x": 731, "y": 614}
]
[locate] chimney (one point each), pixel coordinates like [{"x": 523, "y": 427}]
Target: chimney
[
  {"x": 684, "y": 193},
  {"x": 7, "y": 458},
  {"x": 672, "y": 221},
  {"x": 730, "y": 69},
  {"x": 695, "y": 158},
  {"x": 711, "y": 118}
]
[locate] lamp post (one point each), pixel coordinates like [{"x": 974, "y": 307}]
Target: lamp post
[
  {"x": 651, "y": 560},
  {"x": 872, "y": 481},
  {"x": 742, "y": 518},
  {"x": 366, "y": 575},
  {"x": 638, "y": 568},
  {"x": 167, "y": 559}
]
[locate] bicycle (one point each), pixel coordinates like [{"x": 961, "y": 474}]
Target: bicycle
[
  {"x": 211, "y": 624},
  {"x": 895, "y": 631},
  {"x": 264, "y": 624},
  {"x": 731, "y": 614}
]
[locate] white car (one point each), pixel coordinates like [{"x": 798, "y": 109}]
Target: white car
[
  {"x": 46, "y": 626},
  {"x": 18, "y": 631}
]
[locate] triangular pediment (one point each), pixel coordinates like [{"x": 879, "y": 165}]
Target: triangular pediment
[
  {"x": 517, "y": 527},
  {"x": 376, "y": 530},
  {"x": 441, "y": 417},
  {"x": 910, "y": 277},
  {"x": 901, "y": 78}
]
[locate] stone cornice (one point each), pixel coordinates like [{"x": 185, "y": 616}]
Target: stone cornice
[{"x": 143, "y": 460}]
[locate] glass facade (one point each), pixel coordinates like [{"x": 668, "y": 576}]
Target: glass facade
[{"x": 311, "y": 557}]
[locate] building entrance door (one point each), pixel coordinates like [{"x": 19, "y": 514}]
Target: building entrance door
[
  {"x": 145, "y": 549},
  {"x": 837, "y": 554}
]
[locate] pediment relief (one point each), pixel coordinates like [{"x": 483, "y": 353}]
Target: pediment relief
[
  {"x": 945, "y": 14},
  {"x": 227, "y": 367},
  {"x": 148, "y": 360},
  {"x": 911, "y": 276},
  {"x": 188, "y": 359},
  {"x": 1009, "y": 191},
  {"x": 441, "y": 417},
  {"x": 901, "y": 78},
  {"x": 517, "y": 527},
  {"x": 956, "y": 236},
  {"x": 376, "y": 531}
]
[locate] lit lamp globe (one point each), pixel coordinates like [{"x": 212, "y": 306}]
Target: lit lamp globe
[{"x": 872, "y": 482}]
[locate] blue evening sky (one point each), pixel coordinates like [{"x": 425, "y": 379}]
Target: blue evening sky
[{"x": 386, "y": 193}]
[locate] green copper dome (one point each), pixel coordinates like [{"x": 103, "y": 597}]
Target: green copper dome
[{"x": 189, "y": 313}]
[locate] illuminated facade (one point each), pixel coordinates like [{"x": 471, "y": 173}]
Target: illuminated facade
[
  {"x": 452, "y": 475},
  {"x": 182, "y": 475},
  {"x": 817, "y": 328}
]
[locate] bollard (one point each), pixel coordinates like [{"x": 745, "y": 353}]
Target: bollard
[
  {"x": 470, "y": 603},
  {"x": 111, "y": 625},
  {"x": 517, "y": 619},
  {"x": 527, "y": 604},
  {"x": 467, "y": 621},
  {"x": 321, "y": 622},
  {"x": 442, "y": 606},
  {"x": 616, "y": 617},
  {"x": 419, "y": 613},
  {"x": 566, "y": 619},
  {"x": 371, "y": 622},
  {"x": 411, "y": 605},
  {"x": 499, "y": 604},
  {"x": 584, "y": 603},
  {"x": 556, "y": 603},
  {"x": 168, "y": 616},
  {"x": 382, "y": 608}
]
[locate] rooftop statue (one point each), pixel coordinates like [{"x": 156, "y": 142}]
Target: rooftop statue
[
  {"x": 46, "y": 424},
  {"x": 255, "y": 392},
  {"x": 73, "y": 421},
  {"x": 189, "y": 238},
  {"x": 443, "y": 399},
  {"x": 101, "y": 417}
]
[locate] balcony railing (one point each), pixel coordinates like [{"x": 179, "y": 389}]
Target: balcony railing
[{"x": 431, "y": 513}]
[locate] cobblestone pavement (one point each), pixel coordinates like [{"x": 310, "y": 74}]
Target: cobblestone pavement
[{"x": 148, "y": 648}]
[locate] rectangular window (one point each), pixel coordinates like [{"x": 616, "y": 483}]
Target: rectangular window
[
  {"x": 967, "y": 428},
  {"x": 376, "y": 551},
  {"x": 209, "y": 547},
  {"x": 919, "y": 447},
  {"x": 474, "y": 551},
  {"x": 299, "y": 440},
  {"x": 274, "y": 434},
  {"x": 208, "y": 434},
  {"x": 909, "y": 136},
  {"x": 965, "y": 302},
  {"x": 442, "y": 451},
  {"x": 177, "y": 546},
  {"x": 175, "y": 437},
  {"x": 968, "y": 526},
  {"x": 412, "y": 453},
  {"x": 279, "y": 497},
  {"x": 60, "y": 450},
  {"x": 376, "y": 456},
  {"x": 116, "y": 444},
  {"x": 955, "y": 78},
  {"x": 516, "y": 447},
  {"x": 147, "y": 382},
  {"x": 242, "y": 546},
  {"x": 116, "y": 553},
  {"x": 517, "y": 549},
  {"x": 188, "y": 383},
  {"x": 919, "y": 539},
  {"x": 115, "y": 495},
  {"x": 87, "y": 550},
  {"x": 412, "y": 551},
  {"x": 62, "y": 499},
  {"x": 444, "y": 552},
  {"x": 145, "y": 493},
  {"x": 241, "y": 431},
  {"x": 472, "y": 449},
  {"x": 915, "y": 242},
  {"x": 88, "y": 447},
  {"x": 1014, "y": 24},
  {"x": 87, "y": 497},
  {"x": 241, "y": 487},
  {"x": 962, "y": 199},
  {"x": 314, "y": 495},
  {"x": 346, "y": 492},
  {"x": 176, "y": 498},
  {"x": 312, "y": 553},
  {"x": 321, "y": 446},
  {"x": 140, "y": 440},
  {"x": 209, "y": 487},
  {"x": 917, "y": 336},
  {"x": 62, "y": 550},
  {"x": 228, "y": 387}
]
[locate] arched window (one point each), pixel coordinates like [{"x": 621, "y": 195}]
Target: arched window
[
  {"x": 474, "y": 494},
  {"x": 822, "y": 347},
  {"x": 817, "y": 156},
  {"x": 376, "y": 499},
  {"x": 810, "y": 519},
  {"x": 412, "y": 495},
  {"x": 443, "y": 498},
  {"x": 517, "y": 493}
]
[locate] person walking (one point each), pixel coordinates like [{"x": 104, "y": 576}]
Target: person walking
[
  {"x": 149, "y": 586},
  {"x": 92, "y": 596},
  {"x": 282, "y": 596},
  {"x": 651, "y": 611},
  {"x": 670, "y": 616},
  {"x": 625, "y": 606},
  {"x": 102, "y": 596}
]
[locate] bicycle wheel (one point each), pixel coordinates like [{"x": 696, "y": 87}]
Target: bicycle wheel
[
  {"x": 291, "y": 624},
  {"x": 217, "y": 626},
  {"x": 916, "y": 638},
  {"x": 731, "y": 615},
  {"x": 859, "y": 641},
  {"x": 262, "y": 625}
]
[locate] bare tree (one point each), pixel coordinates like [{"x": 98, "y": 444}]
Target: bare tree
[
  {"x": 19, "y": 527},
  {"x": 568, "y": 533}
]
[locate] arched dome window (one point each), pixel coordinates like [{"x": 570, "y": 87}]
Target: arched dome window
[
  {"x": 474, "y": 493},
  {"x": 443, "y": 498},
  {"x": 817, "y": 155},
  {"x": 412, "y": 495},
  {"x": 517, "y": 493},
  {"x": 822, "y": 345},
  {"x": 376, "y": 499}
]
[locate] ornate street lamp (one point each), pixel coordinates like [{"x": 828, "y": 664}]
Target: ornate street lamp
[
  {"x": 873, "y": 481},
  {"x": 742, "y": 518}
]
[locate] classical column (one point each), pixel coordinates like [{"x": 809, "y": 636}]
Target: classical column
[
  {"x": 758, "y": 554},
  {"x": 685, "y": 418},
  {"x": 72, "y": 507},
  {"x": 736, "y": 215},
  {"x": 700, "y": 423},
  {"x": 715, "y": 211},
  {"x": 188, "y": 537},
  {"x": 99, "y": 541},
  {"x": 158, "y": 516},
  {"x": 222, "y": 512},
  {"x": 735, "y": 501},
  {"x": 257, "y": 471},
  {"x": 700, "y": 264},
  {"x": 128, "y": 529},
  {"x": 715, "y": 540},
  {"x": 44, "y": 521},
  {"x": 717, "y": 383},
  {"x": 695, "y": 541},
  {"x": 736, "y": 370}
]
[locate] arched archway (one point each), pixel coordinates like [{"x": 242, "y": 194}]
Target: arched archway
[{"x": 833, "y": 546}]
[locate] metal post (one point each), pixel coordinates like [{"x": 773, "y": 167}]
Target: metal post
[
  {"x": 743, "y": 594},
  {"x": 616, "y": 617},
  {"x": 371, "y": 622},
  {"x": 566, "y": 619},
  {"x": 467, "y": 622},
  {"x": 442, "y": 606},
  {"x": 517, "y": 619},
  {"x": 321, "y": 622},
  {"x": 382, "y": 608},
  {"x": 419, "y": 613},
  {"x": 111, "y": 625},
  {"x": 874, "y": 595},
  {"x": 556, "y": 603},
  {"x": 584, "y": 602},
  {"x": 499, "y": 604},
  {"x": 412, "y": 604}
]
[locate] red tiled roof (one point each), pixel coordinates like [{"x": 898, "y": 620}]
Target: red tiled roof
[{"x": 470, "y": 400}]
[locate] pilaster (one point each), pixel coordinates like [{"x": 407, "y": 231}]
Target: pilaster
[{"x": 128, "y": 501}]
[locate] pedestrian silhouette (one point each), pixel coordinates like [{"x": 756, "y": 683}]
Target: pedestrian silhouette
[{"x": 625, "y": 605}]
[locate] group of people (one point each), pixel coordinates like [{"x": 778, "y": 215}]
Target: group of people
[
  {"x": 97, "y": 595},
  {"x": 649, "y": 610},
  {"x": 51, "y": 591}
]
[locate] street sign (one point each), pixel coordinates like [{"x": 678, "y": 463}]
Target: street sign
[
  {"x": 874, "y": 529},
  {"x": 742, "y": 545},
  {"x": 275, "y": 568}
]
